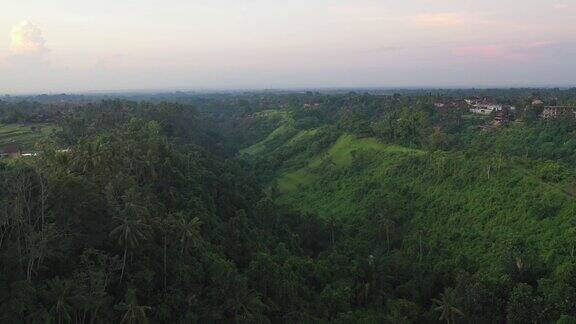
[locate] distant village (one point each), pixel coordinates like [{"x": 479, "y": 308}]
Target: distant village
[{"x": 502, "y": 114}]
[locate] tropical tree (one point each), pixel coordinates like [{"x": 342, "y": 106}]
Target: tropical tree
[
  {"x": 524, "y": 305},
  {"x": 445, "y": 306},
  {"x": 422, "y": 233},
  {"x": 133, "y": 312},
  {"x": 130, "y": 231},
  {"x": 332, "y": 225},
  {"x": 188, "y": 232},
  {"x": 386, "y": 224},
  {"x": 59, "y": 299}
]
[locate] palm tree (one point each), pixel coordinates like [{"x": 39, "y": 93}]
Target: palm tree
[
  {"x": 130, "y": 232},
  {"x": 332, "y": 225},
  {"x": 572, "y": 236},
  {"x": 166, "y": 229},
  {"x": 397, "y": 318},
  {"x": 188, "y": 232},
  {"x": 422, "y": 233},
  {"x": 386, "y": 224},
  {"x": 445, "y": 306},
  {"x": 59, "y": 294},
  {"x": 133, "y": 313}
]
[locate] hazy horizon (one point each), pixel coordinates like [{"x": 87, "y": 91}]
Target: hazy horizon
[
  {"x": 68, "y": 47},
  {"x": 152, "y": 91}
]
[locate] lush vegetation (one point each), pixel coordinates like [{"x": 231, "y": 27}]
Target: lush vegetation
[{"x": 289, "y": 208}]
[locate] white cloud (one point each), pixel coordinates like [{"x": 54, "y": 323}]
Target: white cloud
[{"x": 26, "y": 39}]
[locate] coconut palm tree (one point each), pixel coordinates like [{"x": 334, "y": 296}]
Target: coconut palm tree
[
  {"x": 166, "y": 229},
  {"x": 188, "y": 232},
  {"x": 386, "y": 224},
  {"x": 131, "y": 230},
  {"x": 133, "y": 312},
  {"x": 59, "y": 296},
  {"x": 445, "y": 306},
  {"x": 422, "y": 233},
  {"x": 332, "y": 226}
]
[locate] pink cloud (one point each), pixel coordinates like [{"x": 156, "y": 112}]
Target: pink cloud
[
  {"x": 508, "y": 52},
  {"x": 484, "y": 51},
  {"x": 560, "y": 5}
]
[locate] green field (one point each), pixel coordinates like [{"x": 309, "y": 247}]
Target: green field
[{"x": 23, "y": 135}]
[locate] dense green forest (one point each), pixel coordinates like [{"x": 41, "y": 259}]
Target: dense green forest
[{"x": 297, "y": 207}]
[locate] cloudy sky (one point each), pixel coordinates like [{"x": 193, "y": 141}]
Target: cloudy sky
[{"x": 75, "y": 46}]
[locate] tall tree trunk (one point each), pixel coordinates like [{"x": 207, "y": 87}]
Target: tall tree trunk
[
  {"x": 332, "y": 236},
  {"x": 123, "y": 263},
  {"x": 165, "y": 248},
  {"x": 387, "y": 239},
  {"x": 42, "y": 201},
  {"x": 29, "y": 268},
  {"x": 94, "y": 316},
  {"x": 420, "y": 247}
]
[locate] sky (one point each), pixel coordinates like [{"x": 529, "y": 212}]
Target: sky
[{"x": 120, "y": 45}]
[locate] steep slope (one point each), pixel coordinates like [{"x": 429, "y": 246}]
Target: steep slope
[
  {"x": 453, "y": 206},
  {"x": 282, "y": 133}
]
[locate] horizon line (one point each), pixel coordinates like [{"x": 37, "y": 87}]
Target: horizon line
[{"x": 279, "y": 89}]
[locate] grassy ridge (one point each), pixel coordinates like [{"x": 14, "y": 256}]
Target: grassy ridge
[
  {"x": 284, "y": 132},
  {"x": 339, "y": 155},
  {"x": 474, "y": 208}
]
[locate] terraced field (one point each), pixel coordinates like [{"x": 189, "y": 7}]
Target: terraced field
[{"x": 23, "y": 136}]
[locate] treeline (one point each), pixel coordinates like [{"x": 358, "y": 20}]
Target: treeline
[{"x": 30, "y": 112}]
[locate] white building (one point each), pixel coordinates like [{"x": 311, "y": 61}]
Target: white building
[{"x": 485, "y": 109}]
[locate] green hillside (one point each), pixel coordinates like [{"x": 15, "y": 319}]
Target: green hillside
[
  {"x": 281, "y": 134},
  {"x": 469, "y": 212},
  {"x": 340, "y": 156},
  {"x": 422, "y": 203},
  {"x": 473, "y": 207}
]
